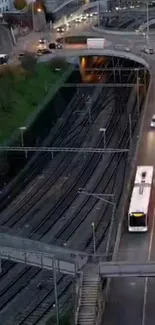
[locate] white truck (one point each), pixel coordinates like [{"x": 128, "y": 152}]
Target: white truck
[{"x": 95, "y": 43}]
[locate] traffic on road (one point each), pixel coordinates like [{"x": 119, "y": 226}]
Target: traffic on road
[{"x": 130, "y": 300}]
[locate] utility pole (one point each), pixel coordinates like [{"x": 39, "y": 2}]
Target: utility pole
[
  {"x": 94, "y": 239},
  {"x": 138, "y": 102},
  {"x": 98, "y": 12},
  {"x": 55, "y": 291},
  {"x": 101, "y": 197},
  {"x": 130, "y": 132},
  {"x": 110, "y": 227},
  {"x": 147, "y": 19},
  {"x": 103, "y": 130},
  {"x": 88, "y": 105},
  {"x": 22, "y": 129}
]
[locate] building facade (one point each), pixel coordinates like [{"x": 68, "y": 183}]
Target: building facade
[{"x": 5, "y": 5}]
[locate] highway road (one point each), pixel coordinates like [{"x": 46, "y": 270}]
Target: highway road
[{"x": 131, "y": 301}]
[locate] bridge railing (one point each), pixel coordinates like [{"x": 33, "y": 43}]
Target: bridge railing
[{"x": 78, "y": 297}]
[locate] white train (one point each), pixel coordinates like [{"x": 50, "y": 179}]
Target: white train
[{"x": 140, "y": 199}]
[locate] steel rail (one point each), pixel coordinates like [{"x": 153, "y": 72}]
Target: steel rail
[
  {"x": 34, "y": 316},
  {"x": 69, "y": 192},
  {"x": 102, "y": 84},
  {"x": 35, "y": 168},
  {"x": 25, "y": 318},
  {"x": 35, "y": 323},
  {"x": 30, "y": 197},
  {"x": 61, "y": 149},
  {"x": 81, "y": 218}
]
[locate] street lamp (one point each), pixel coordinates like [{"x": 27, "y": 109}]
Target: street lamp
[
  {"x": 22, "y": 129},
  {"x": 147, "y": 18},
  {"x": 55, "y": 291},
  {"x": 101, "y": 197},
  {"x": 94, "y": 239},
  {"x": 98, "y": 12},
  {"x": 103, "y": 130}
]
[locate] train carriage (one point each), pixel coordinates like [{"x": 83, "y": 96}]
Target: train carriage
[{"x": 140, "y": 199}]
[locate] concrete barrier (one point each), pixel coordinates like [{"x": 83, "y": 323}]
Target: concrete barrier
[
  {"x": 118, "y": 32},
  {"x": 103, "y": 52},
  {"x": 127, "y": 193}
]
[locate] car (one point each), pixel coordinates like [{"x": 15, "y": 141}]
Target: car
[
  {"x": 127, "y": 49},
  {"x": 152, "y": 124},
  {"x": 151, "y": 51},
  {"x": 42, "y": 41},
  {"x": 89, "y": 15},
  {"x": 148, "y": 51},
  {"x": 43, "y": 52},
  {"x": 4, "y": 59},
  {"x": 78, "y": 20},
  {"x": 83, "y": 17},
  {"x": 21, "y": 55},
  {"x": 58, "y": 46},
  {"x": 60, "y": 29},
  {"x": 55, "y": 46},
  {"x": 68, "y": 25}
]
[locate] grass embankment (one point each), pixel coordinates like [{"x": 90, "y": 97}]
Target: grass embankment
[{"x": 21, "y": 91}]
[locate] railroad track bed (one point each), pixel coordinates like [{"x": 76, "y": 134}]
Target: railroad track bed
[{"x": 62, "y": 223}]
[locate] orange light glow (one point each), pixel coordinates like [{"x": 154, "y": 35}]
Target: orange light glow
[{"x": 83, "y": 63}]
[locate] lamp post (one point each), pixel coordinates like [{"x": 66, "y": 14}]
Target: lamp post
[
  {"x": 94, "y": 239},
  {"x": 22, "y": 129},
  {"x": 98, "y": 12},
  {"x": 103, "y": 130},
  {"x": 55, "y": 291},
  {"x": 147, "y": 19},
  {"x": 101, "y": 197}
]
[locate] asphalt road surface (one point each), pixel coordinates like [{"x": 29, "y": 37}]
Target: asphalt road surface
[{"x": 132, "y": 300}]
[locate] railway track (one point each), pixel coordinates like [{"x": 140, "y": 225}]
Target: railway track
[
  {"x": 41, "y": 160},
  {"x": 26, "y": 320},
  {"x": 34, "y": 315},
  {"x": 57, "y": 170}
]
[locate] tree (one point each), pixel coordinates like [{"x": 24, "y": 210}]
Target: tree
[
  {"x": 4, "y": 165},
  {"x": 20, "y": 4},
  {"x": 6, "y": 88},
  {"x": 6, "y": 94},
  {"x": 28, "y": 62}
]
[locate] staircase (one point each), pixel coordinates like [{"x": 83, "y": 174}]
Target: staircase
[{"x": 89, "y": 297}]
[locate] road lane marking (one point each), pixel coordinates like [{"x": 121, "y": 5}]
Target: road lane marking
[{"x": 146, "y": 279}]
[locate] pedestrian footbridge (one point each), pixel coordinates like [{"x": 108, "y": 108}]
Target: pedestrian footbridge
[{"x": 39, "y": 254}]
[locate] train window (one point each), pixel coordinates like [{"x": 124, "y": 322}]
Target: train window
[{"x": 143, "y": 174}]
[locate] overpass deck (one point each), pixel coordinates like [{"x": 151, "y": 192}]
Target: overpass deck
[{"x": 39, "y": 254}]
